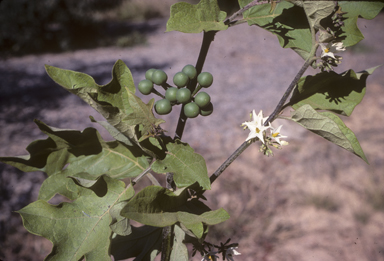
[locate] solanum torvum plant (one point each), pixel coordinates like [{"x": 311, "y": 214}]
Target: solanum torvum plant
[{"x": 88, "y": 170}]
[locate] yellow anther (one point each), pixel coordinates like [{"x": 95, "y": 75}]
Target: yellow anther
[
  {"x": 275, "y": 134},
  {"x": 326, "y": 50}
]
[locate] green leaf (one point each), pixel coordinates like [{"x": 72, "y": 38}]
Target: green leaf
[
  {"x": 110, "y": 100},
  {"x": 144, "y": 243},
  {"x": 204, "y": 16},
  {"x": 79, "y": 229},
  {"x": 179, "y": 249},
  {"x": 316, "y": 11},
  {"x": 157, "y": 206},
  {"x": 113, "y": 101},
  {"x": 114, "y": 93},
  {"x": 339, "y": 93},
  {"x": 354, "y": 10},
  {"x": 287, "y": 21},
  {"x": 187, "y": 166},
  {"x": 115, "y": 133},
  {"x": 142, "y": 114},
  {"x": 69, "y": 152},
  {"x": 328, "y": 126}
]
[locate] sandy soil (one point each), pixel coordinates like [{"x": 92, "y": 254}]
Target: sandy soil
[{"x": 311, "y": 201}]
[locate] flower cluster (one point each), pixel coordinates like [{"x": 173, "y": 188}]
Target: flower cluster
[
  {"x": 328, "y": 57},
  {"x": 267, "y": 134}
]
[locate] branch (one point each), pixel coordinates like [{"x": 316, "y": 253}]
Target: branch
[{"x": 207, "y": 40}]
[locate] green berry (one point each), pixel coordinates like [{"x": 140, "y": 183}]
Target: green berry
[
  {"x": 170, "y": 94},
  {"x": 159, "y": 77},
  {"x": 190, "y": 70},
  {"x": 183, "y": 95},
  {"x": 148, "y": 74},
  {"x": 163, "y": 107},
  {"x": 207, "y": 110},
  {"x": 145, "y": 86},
  {"x": 202, "y": 99},
  {"x": 205, "y": 79},
  {"x": 191, "y": 110},
  {"x": 180, "y": 79}
]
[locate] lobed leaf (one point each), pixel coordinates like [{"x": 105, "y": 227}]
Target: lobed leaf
[
  {"x": 339, "y": 93},
  {"x": 291, "y": 20},
  {"x": 317, "y": 11},
  {"x": 159, "y": 207},
  {"x": 112, "y": 100},
  {"x": 204, "y": 16},
  {"x": 354, "y": 9},
  {"x": 287, "y": 21},
  {"x": 79, "y": 229},
  {"x": 69, "y": 152},
  {"x": 187, "y": 166},
  {"x": 328, "y": 126}
]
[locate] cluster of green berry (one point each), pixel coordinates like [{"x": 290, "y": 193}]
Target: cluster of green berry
[{"x": 193, "y": 104}]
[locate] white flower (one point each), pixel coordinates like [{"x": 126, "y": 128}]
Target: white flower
[
  {"x": 276, "y": 135},
  {"x": 256, "y": 126},
  {"x": 331, "y": 48},
  {"x": 230, "y": 253},
  {"x": 211, "y": 256}
]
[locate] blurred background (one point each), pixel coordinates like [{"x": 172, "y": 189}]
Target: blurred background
[{"x": 310, "y": 201}]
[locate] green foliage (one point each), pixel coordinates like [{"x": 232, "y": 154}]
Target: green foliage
[
  {"x": 78, "y": 229},
  {"x": 339, "y": 93},
  {"x": 115, "y": 101},
  {"x": 205, "y": 16},
  {"x": 328, "y": 126},
  {"x": 84, "y": 151},
  {"x": 86, "y": 169},
  {"x": 188, "y": 167},
  {"x": 159, "y": 207},
  {"x": 296, "y": 33},
  {"x": 354, "y": 10}
]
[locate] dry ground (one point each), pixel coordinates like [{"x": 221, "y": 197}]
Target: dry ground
[{"x": 312, "y": 201}]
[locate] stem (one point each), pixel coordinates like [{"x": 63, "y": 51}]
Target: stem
[
  {"x": 167, "y": 233},
  {"x": 283, "y": 99},
  {"x": 208, "y": 38},
  {"x": 228, "y": 162},
  {"x": 166, "y": 245}
]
